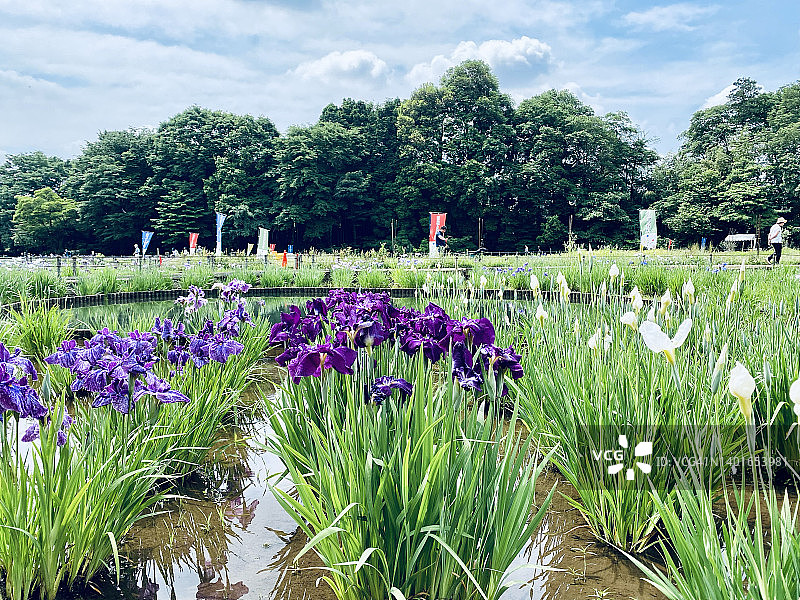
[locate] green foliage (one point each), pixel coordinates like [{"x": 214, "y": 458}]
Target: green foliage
[
  {"x": 372, "y": 278},
  {"x": 13, "y": 286},
  {"x": 38, "y": 330},
  {"x": 149, "y": 280},
  {"x": 61, "y": 507},
  {"x": 200, "y": 275},
  {"x": 309, "y": 277},
  {"x": 408, "y": 278},
  {"x": 101, "y": 281},
  {"x": 22, "y": 175},
  {"x": 249, "y": 276},
  {"x": 45, "y": 221},
  {"x": 709, "y": 558},
  {"x": 393, "y": 499},
  {"x": 109, "y": 178},
  {"x": 46, "y": 284},
  {"x": 342, "y": 277},
  {"x": 274, "y": 277}
]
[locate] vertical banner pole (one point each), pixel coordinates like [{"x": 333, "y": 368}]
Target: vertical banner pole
[{"x": 220, "y": 222}]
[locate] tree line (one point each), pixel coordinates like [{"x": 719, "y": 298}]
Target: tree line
[{"x": 544, "y": 173}]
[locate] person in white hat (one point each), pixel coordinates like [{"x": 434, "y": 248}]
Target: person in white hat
[{"x": 775, "y": 238}]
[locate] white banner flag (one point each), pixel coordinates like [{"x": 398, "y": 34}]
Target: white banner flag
[
  {"x": 647, "y": 228},
  {"x": 263, "y": 242}
]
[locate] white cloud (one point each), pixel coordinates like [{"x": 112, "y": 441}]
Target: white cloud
[
  {"x": 175, "y": 18},
  {"x": 351, "y": 64},
  {"x": 673, "y": 17},
  {"x": 109, "y": 60},
  {"x": 720, "y": 97},
  {"x": 523, "y": 52}
]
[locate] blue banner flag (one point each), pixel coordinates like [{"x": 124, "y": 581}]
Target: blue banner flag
[
  {"x": 220, "y": 222},
  {"x": 146, "y": 237}
]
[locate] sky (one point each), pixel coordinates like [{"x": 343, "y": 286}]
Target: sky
[{"x": 70, "y": 69}]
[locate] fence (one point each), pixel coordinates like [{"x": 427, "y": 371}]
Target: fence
[{"x": 72, "y": 266}]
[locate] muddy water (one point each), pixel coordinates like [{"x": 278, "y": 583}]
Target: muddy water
[{"x": 227, "y": 538}]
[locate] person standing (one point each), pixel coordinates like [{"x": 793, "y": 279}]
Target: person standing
[
  {"x": 285, "y": 259},
  {"x": 775, "y": 238},
  {"x": 441, "y": 241}
]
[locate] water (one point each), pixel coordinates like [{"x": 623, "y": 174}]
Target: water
[{"x": 227, "y": 538}]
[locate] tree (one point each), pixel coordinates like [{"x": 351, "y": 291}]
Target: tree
[
  {"x": 317, "y": 177},
  {"x": 45, "y": 221},
  {"x": 205, "y": 161},
  {"x": 108, "y": 181},
  {"x": 23, "y": 174}
]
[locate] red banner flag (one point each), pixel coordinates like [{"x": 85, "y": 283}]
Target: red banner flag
[
  {"x": 437, "y": 220},
  {"x": 193, "y": 242}
]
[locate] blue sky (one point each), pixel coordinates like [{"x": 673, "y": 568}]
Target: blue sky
[{"x": 69, "y": 69}]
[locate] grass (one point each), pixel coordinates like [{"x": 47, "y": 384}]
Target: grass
[
  {"x": 309, "y": 278},
  {"x": 372, "y": 279},
  {"x": 149, "y": 280},
  {"x": 200, "y": 275},
  {"x": 274, "y": 277},
  {"x": 342, "y": 277},
  {"x": 394, "y": 498}
]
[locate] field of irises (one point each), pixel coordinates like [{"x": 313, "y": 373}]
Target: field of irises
[{"x": 414, "y": 432}]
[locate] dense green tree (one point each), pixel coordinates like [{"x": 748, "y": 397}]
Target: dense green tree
[
  {"x": 422, "y": 170},
  {"x": 186, "y": 153},
  {"x": 108, "y": 181},
  {"x": 21, "y": 175},
  {"x": 44, "y": 222},
  {"x": 317, "y": 174},
  {"x": 576, "y": 165}
]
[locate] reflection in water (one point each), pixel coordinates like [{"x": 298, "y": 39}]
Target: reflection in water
[
  {"x": 225, "y": 537},
  {"x": 301, "y": 580},
  {"x": 570, "y": 563},
  {"x": 239, "y": 510}
]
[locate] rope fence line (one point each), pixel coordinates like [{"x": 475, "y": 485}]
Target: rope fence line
[{"x": 74, "y": 266}]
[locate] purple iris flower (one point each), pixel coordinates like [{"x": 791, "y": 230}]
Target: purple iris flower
[
  {"x": 161, "y": 390},
  {"x": 30, "y": 406},
  {"x": 382, "y": 388},
  {"x": 32, "y": 433},
  {"x": 311, "y": 327},
  {"x": 94, "y": 380},
  {"x": 17, "y": 361},
  {"x": 231, "y": 292},
  {"x": 502, "y": 360},
  {"x": 193, "y": 300},
  {"x": 369, "y": 334},
  {"x": 311, "y": 360},
  {"x": 207, "y": 329},
  {"x": 10, "y": 390},
  {"x": 317, "y": 307},
  {"x": 199, "y": 351},
  {"x": 168, "y": 331},
  {"x": 289, "y": 354},
  {"x": 178, "y": 356},
  {"x": 65, "y": 355},
  {"x": 474, "y": 331},
  {"x": 104, "y": 337},
  {"x": 463, "y": 368},
  {"x": 221, "y": 349},
  {"x": 412, "y": 342},
  {"x": 229, "y": 324},
  {"x": 116, "y": 394}
]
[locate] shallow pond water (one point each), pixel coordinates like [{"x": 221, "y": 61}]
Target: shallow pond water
[{"x": 225, "y": 537}]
